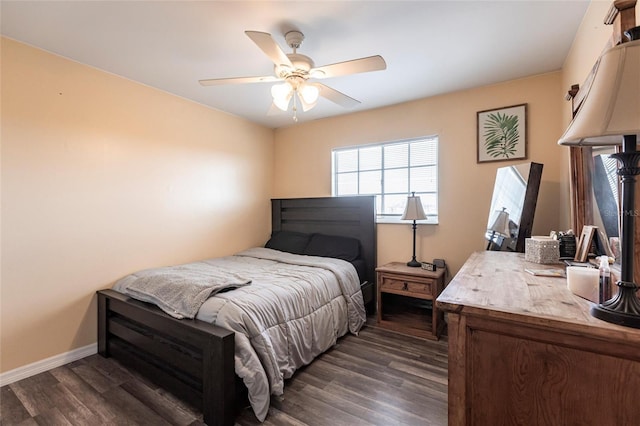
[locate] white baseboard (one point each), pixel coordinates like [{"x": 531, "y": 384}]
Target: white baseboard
[{"x": 47, "y": 364}]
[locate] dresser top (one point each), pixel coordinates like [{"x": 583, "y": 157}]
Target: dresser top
[{"x": 493, "y": 283}]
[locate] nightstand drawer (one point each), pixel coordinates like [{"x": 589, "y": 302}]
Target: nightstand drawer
[{"x": 400, "y": 285}]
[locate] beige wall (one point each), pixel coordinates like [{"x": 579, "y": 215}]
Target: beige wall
[
  {"x": 102, "y": 176},
  {"x": 303, "y": 162}
]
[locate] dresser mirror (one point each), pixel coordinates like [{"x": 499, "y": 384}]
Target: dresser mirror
[
  {"x": 596, "y": 194},
  {"x": 513, "y": 205}
]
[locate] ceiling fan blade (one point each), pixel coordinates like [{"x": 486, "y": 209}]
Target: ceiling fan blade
[
  {"x": 268, "y": 45},
  {"x": 337, "y": 97},
  {"x": 370, "y": 63},
  {"x": 237, "y": 80}
]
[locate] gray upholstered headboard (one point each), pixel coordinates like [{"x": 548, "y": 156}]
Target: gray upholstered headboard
[{"x": 353, "y": 217}]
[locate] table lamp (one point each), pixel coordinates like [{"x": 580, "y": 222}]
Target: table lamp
[
  {"x": 610, "y": 115},
  {"x": 413, "y": 211}
]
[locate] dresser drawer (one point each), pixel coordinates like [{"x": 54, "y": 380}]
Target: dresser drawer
[{"x": 398, "y": 284}]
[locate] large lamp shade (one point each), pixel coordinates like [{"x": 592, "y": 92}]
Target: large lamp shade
[{"x": 611, "y": 107}]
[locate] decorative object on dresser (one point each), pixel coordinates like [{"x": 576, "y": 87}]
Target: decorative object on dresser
[
  {"x": 414, "y": 211},
  {"x": 567, "y": 244},
  {"x": 516, "y": 190},
  {"x": 523, "y": 349},
  {"x": 499, "y": 226},
  {"x": 406, "y": 298},
  {"x": 541, "y": 249},
  {"x": 583, "y": 281},
  {"x": 584, "y": 243},
  {"x": 610, "y": 115}
]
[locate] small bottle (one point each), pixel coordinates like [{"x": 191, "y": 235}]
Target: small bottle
[{"x": 605, "y": 280}]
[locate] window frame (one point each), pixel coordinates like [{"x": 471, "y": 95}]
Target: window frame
[{"x": 393, "y": 218}]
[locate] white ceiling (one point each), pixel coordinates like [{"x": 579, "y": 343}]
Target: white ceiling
[{"x": 431, "y": 47}]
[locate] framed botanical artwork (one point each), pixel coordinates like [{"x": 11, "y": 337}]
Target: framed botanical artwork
[{"x": 502, "y": 134}]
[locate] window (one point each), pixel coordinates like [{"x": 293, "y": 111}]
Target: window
[{"x": 390, "y": 171}]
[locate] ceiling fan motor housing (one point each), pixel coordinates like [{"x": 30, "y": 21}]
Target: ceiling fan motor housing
[
  {"x": 302, "y": 64},
  {"x": 294, "y": 39}
]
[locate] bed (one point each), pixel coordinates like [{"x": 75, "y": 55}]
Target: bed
[{"x": 194, "y": 359}]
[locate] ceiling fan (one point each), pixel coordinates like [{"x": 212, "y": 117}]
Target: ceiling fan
[{"x": 295, "y": 70}]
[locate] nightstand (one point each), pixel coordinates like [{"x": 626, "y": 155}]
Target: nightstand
[{"x": 406, "y": 300}]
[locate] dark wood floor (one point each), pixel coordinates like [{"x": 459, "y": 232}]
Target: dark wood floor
[{"x": 378, "y": 377}]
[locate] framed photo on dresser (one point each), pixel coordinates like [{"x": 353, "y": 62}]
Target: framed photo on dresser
[{"x": 584, "y": 243}]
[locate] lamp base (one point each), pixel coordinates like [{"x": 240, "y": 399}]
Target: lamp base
[
  {"x": 414, "y": 263},
  {"x": 623, "y": 309}
]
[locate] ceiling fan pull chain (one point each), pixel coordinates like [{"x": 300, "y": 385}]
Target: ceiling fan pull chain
[{"x": 295, "y": 109}]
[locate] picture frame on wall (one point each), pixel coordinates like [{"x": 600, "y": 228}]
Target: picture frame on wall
[{"x": 502, "y": 134}]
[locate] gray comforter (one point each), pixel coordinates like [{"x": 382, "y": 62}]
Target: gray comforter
[{"x": 294, "y": 308}]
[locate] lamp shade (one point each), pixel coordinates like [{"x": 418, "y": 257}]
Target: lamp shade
[
  {"x": 501, "y": 224},
  {"x": 413, "y": 209},
  {"x": 611, "y": 107}
]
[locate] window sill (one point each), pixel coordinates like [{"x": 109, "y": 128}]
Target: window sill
[{"x": 398, "y": 221}]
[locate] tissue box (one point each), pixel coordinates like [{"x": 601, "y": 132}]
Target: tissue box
[{"x": 541, "y": 250}]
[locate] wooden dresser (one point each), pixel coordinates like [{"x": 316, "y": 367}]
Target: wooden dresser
[{"x": 523, "y": 350}]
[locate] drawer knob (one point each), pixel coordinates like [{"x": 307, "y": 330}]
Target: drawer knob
[{"x": 405, "y": 286}]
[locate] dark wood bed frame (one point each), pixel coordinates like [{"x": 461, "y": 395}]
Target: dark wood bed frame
[{"x": 193, "y": 359}]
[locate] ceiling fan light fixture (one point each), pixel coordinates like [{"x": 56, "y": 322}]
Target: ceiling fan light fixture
[
  {"x": 282, "y": 94},
  {"x": 305, "y": 105},
  {"x": 309, "y": 93}
]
